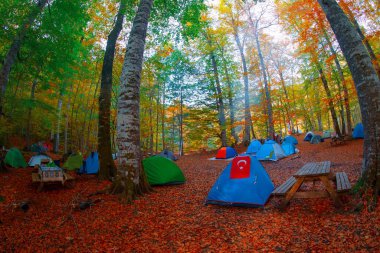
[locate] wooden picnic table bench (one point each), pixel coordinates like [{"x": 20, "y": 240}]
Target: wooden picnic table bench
[
  {"x": 319, "y": 171},
  {"x": 36, "y": 178}
]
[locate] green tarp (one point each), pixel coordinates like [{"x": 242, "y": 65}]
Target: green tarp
[
  {"x": 15, "y": 159},
  {"x": 74, "y": 162},
  {"x": 160, "y": 171}
]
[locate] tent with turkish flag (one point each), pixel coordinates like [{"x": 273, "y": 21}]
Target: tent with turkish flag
[{"x": 244, "y": 182}]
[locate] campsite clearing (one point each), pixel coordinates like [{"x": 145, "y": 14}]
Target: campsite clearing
[{"x": 175, "y": 219}]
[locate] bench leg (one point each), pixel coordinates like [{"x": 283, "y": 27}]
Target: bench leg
[
  {"x": 330, "y": 189},
  {"x": 39, "y": 189},
  {"x": 289, "y": 195}
]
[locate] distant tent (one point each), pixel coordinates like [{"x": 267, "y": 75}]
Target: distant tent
[
  {"x": 36, "y": 160},
  {"x": 162, "y": 171},
  {"x": 38, "y": 148},
  {"x": 74, "y": 162},
  {"x": 91, "y": 164},
  {"x": 226, "y": 153},
  {"x": 291, "y": 139},
  {"x": 326, "y": 134},
  {"x": 271, "y": 150},
  {"x": 288, "y": 148},
  {"x": 15, "y": 159},
  {"x": 244, "y": 182},
  {"x": 168, "y": 154},
  {"x": 316, "y": 139},
  {"x": 253, "y": 147},
  {"x": 308, "y": 136},
  {"x": 358, "y": 131}
]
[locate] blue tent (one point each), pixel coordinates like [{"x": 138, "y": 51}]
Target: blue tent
[
  {"x": 291, "y": 139},
  {"x": 288, "y": 148},
  {"x": 252, "y": 189},
  {"x": 91, "y": 164},
  {"x": 308, "y": 136},
  {"x": 271, "y": 150},
  {"x": 253, "y": 147},
  {"x": 358, "y": 131}
]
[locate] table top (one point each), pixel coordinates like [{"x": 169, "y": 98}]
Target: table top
[{"x": 314, "y": 169}]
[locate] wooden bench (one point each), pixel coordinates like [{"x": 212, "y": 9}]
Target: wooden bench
[
  {"x": 342, "y": 182},
  {"x": 285, "y": 187}
]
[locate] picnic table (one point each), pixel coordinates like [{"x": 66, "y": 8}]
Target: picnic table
[
  {"x": 315, "y": 171},
  {"x": 48, "y": 174}
]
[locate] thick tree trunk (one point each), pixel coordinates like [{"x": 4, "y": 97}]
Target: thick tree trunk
[
  {"x": 15, "y": 48},
  {"x": 247, "y": 108},
  {"x": 286, "y": 104},
  {"x": 107, "y": 166},
  {"x": 330, "y": 102},
  {"x": 130, "y": 178},
  {"x": 219, "y": 96},
  {"x": 367, "y": 85},
  {"x": 363, "y": 37},
  {"x": 267, "y": 91}
]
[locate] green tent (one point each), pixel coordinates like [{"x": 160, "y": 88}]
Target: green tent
[
  {"x": 15, "y": 159},
  {"x": 160, "y": 170},
  {"x": 74, "y": 162}
]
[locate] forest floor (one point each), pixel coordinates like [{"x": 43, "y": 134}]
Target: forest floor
[{"x": 175, "y": 219}]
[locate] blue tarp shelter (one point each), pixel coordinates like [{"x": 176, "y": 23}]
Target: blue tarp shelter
[
  {"x": 288, "y": 148},
  {"x": 91, "y": 164},
  {"x": 291, "y": 139},
  {"x": 308, "y": 136},
  {"x": 270, "y": 150},
  {"x": 250, "y": 186},
  {"x": 253, "y": 147},
  {"x": 358, "y": 131}
]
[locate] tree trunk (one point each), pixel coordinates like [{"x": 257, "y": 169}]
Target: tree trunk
[
  {"x": 344, "y": 86},
  {"x": 363, "y": 38},
  {"x": 157, "y": 115},
  {"x": 56, "y": 137},
  {"x": 130, "y": 178},
  {"x": 367, "y": 85},
  {"x": 180, "y": 151},
  {"x": 230, "y": 101},
  {"x": 221, "y": 115},
  {"x": 29, "y": 120},
  {"x": 266, "y": 86},
  {"x": 331, "y": 104},
  {"x": 107, "y": 166},
  {"x": 247, "y": 109},
  {"x": 163, "y": 117},
  {"x": 15, "y": 48}
]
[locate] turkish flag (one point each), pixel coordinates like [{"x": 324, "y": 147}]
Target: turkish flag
[{"x": 241, "y": 167}]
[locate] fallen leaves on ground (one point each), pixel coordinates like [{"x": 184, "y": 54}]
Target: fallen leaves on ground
[{"x": 175, "y": 219}]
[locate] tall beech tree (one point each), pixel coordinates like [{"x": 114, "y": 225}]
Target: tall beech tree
[
  {"x": 367, "y": 85},
  {"x": 107, "y": 165},
  {"x": 15, "y": 48},
  {"x": 130, "y": 178}
]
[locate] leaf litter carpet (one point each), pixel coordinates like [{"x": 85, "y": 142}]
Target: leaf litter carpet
[{"x": 175, "y": 219}]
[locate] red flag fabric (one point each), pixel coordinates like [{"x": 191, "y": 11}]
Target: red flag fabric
[{"x": 241, "y": 167}]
